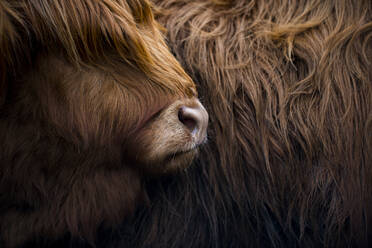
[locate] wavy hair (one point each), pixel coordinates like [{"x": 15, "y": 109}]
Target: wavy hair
[{"x": 288, "y": 85}]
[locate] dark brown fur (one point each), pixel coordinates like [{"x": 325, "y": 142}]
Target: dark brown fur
[
  {"x": 288, "y": 85},
  {"x": 80, "y": 80}
]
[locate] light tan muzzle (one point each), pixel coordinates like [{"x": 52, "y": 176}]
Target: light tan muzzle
[{"x": 174, "y": 136}]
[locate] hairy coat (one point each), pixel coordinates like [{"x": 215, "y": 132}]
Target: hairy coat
[
  {"x": 92, "y": 101},
  {"x": 288, "y": 85}
]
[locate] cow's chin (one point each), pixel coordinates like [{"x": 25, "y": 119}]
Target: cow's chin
[
  {"x": 165, "y": 160},
  {"x": 172, "y": 163}
]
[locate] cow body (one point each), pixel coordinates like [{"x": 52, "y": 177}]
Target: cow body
[{"x": 288, "y": 86}]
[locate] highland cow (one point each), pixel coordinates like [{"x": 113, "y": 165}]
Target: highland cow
[
  {"x": 288, "y": 87},
  {"x": 92, "y": 103}
]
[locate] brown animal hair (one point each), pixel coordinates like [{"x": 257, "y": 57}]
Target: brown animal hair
[
  {"x": 91, "y": 102},
  {"x": 288, "y": 86}
]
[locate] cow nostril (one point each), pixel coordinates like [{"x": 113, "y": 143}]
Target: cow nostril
[
  {"x": 188, "y": 117},
  {"x": 195, "y": 118}
]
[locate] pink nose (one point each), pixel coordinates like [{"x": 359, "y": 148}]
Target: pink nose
[{"x": 195, "y": 118}]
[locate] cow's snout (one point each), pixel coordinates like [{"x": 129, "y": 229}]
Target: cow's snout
[{"x": 171, "y": 140}]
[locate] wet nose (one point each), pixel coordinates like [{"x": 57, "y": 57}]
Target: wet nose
[{"x": 195, "y": 119}]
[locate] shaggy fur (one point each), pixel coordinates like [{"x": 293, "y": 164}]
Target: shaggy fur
[
  {"x": 89, "y": 106},
  {"x": 288, "y": 85}
]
